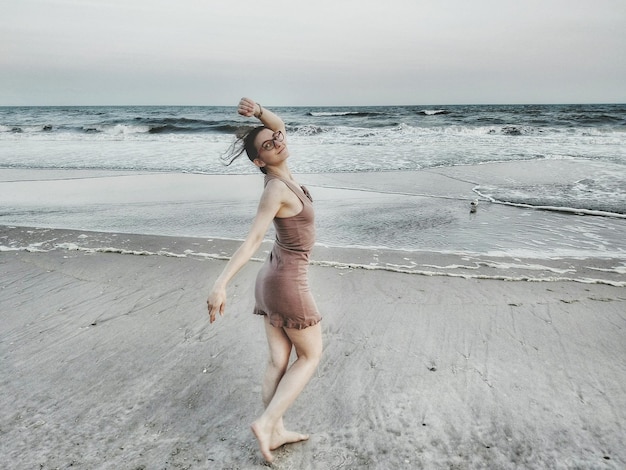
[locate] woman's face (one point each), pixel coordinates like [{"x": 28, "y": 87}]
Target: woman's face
[{"x": 271, "y": 147}]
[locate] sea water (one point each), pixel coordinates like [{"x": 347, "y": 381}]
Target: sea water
[
  {"x": 331, "y": 140},
  {"x": 550, "y": 180}
]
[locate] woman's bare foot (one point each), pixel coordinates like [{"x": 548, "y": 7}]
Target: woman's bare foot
[
  {"x": 264, "y": 437},
  {"x": 281, "y": 436}
]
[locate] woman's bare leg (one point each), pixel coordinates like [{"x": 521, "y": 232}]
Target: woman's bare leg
[
  {"x": 279, "y": 353},
  {"x": 269, "y": 429}
]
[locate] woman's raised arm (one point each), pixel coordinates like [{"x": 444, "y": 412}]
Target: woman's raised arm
[{"x": 248, "y": 107}]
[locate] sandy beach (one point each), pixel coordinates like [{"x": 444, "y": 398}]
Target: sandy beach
[{"x": 108, "y": 361}]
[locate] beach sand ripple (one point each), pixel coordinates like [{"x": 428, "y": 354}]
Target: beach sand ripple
[{"x": 107, "y": 361}]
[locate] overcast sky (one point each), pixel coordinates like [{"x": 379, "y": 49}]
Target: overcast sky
[{"x": 314, "y": 52}]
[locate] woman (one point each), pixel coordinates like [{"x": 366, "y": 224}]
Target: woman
[{"x": 282, "y": 295}]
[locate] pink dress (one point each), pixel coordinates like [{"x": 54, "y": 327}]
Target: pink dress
[{"x": 282, "y": 286}]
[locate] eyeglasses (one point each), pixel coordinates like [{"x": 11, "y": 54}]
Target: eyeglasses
[{"x": 271, "y": 144}]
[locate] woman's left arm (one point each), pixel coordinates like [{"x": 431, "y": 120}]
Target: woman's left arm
[{"x": 271, "y": 201}]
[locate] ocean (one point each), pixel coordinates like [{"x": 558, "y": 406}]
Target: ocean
[
  {"x": 326, "y": 140},
  {"x": 549, "y": 180}
]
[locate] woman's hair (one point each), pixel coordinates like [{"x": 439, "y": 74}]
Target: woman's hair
[{"x": 244, "y": 142}]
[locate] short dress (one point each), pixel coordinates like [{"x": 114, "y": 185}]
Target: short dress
[{"x": 282, "y": 287}]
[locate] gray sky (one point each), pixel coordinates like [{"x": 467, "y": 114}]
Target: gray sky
[{"x": 322, "y": 52}]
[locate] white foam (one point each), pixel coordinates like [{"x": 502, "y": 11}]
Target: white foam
[
  {"x": 570, "y": 210},
  {"x": 615, "y": 269},
  {"x": 432, "y": 112},
  {"x": 30, "y": 248},
  {"x": 407, "y": 270},
  {"x": 497, "y": 270}
]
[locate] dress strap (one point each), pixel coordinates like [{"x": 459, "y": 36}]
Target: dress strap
[{"x": 300, "y": 191}]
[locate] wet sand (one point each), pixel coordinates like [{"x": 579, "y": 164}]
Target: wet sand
[
  {"x": 427, "y": 211},
  {"x": 108, "y": 361}
]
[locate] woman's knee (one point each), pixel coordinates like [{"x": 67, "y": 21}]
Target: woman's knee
[
  {"x": 278, "y": 362},
  {"x": 279, "y": 347},
  {"x": 308, "y": 343},
  {"x": 314, "y": 357}
]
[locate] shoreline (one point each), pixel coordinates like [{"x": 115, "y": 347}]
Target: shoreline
[
  {"x": 606, "y": 271},
  {"x": 418, "y": 211},
  {"x": 110, "y": 362}
]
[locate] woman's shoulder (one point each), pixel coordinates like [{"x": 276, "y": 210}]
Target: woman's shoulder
[
  {"x": 278, "y": 181},
  {"x": 275, "y": 185},
  {"x": 273, "y": 180},
  {"x": 278, "y": 187}
]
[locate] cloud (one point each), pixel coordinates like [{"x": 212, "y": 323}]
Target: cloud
[{"x": 324, "y": 52}]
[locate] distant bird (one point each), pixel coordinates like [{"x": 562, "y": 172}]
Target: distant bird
[{"x": 473, "y": 205}]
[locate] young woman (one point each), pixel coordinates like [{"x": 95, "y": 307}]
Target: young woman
[{"x": 282, "y": 294}]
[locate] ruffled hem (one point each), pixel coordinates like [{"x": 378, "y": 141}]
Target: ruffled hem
[{"x": 286, "y": 323}]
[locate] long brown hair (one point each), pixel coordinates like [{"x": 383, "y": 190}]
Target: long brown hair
[{"x": 245, "y": 142}]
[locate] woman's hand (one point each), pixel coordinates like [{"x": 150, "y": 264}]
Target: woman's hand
[
  {"x": 216, "y": 303},
  {"x": 248, "y": 107}
]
